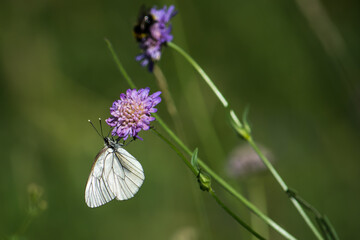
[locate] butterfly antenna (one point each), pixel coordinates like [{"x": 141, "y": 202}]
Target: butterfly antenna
[
  {"x": 109, "y": 133},
  {"x": 128, "y": 142},
  {"x": 95, "y": 128},
  {"x": 101, "y": 130}
]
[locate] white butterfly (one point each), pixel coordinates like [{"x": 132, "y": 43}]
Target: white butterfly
[{"x": 115, "y": 174}]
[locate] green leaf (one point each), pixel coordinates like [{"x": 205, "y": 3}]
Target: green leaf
[
  {"x": 243, "y": 131},
  {"x": 245, "y": 119},
  {"x": 194, "y": 159}
]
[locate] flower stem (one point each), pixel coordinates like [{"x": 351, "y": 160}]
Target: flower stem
[
  {"x": 162, "y": 83},
  {"x": 268, "y": 164},
  {"x": 225, "y": 185},
  {"x": 217, "y": 178},
  {"x": 187, "y": 163},
  {"x": 212, "y": 193},
  {"x": 285, "y": 188},
  {"x": 200, "y": 112},
  {"x": 201, "y": 72},
  {"x": 247, "y": 137},
  {"x": 207, "y": 80},
  {"x": 119, "y": 65},
  {"x": 257, "y": 195}
]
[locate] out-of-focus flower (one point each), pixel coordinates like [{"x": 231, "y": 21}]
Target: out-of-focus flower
[
  {"x": 243, "y": 161},
  {"x": 186, "y": 233},
  {"x": 132, "y": 112},
  {"x": 36, "y": 202},
  {"x": 153, "y": 31}
]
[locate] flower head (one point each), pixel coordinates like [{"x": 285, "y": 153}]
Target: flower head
[
  {"x": 132, "y": 112},
  {"x": 153, "y": 31}
]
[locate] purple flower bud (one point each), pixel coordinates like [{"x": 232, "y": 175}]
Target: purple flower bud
[{"x": 132, "y": 112}]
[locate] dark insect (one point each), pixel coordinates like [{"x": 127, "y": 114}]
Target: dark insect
[{"x": 145, "y": 21}]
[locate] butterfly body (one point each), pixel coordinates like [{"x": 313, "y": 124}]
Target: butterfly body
[{"x": 115, "y": 174}]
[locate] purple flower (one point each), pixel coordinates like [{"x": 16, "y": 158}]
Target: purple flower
[
  {"x": 153, "y": 31},
  {"x": 132, "y": 112}
]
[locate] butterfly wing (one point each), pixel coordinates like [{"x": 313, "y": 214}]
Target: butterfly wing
[
  {"x": 115, "y": 173},
  {"x": 97, "y": 190},
  {"x": 126, "y": 174}
]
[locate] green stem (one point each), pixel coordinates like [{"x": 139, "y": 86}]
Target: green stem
[
  {"x": 322, "y": 220},
  {"x": 247, "y": 227},
  {"x": 268, "y": 165},
  {"x": 29, "y": 218},
  {"x": 170, "y": 104},
  {"x": 207, "y": 80},
  {"x": 201, "y": 72},
  {"x": 285, "y": 188},
  {"x": 257, "y": 195},
  {"x": 188, "y": 164},
  {"x": 204, "y": 227},
  {"x": 248, "y": 204},
  {"x": 217, "y": 178},
  {"x": 225, "y": 185},
  {"x": 247, "y": 137},
  {"x": 119, "y": 65},
  {"x": 212, "y": 193}
]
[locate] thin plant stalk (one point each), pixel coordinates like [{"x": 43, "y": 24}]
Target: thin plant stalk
[
  {"x": 248, "y": 137},
  {"x": 119, "y": 65},
  {"x": 247, "y": 227},
  {"x": 212, "y": 193},
  {"x": 170, "y": 104},
  {"x": 285, "y": 188},
  {"x": 331, "y": 39},
  {"x": 178, "y": 152},
  {"x": 201, "y": 207},
  {"x": 200, "y": 112},
  {"x": 202, "y": 73},
  {"x": 172, "y": 109},
  {"x": 28, "y": 220},
  {"x": 217, "y": 178},
  {"x": 256, "y": 192},
  {"x": 225, "y": 185}
]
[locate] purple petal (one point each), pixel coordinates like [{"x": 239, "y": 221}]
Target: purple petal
[
  {"x": 140, "y": 57},
  {"x": 169, "y": 13},
  {"x": 156, "y": 101},
  {"x": 156, "y": 94},
  {"x": 122, "y": 96},
  {"x": 144, "y": 94},
  {"x": 139, "y": 138},
  {"x": 145, "y": 62}
]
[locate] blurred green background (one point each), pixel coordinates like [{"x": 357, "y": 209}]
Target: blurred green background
[{"x": 294, "y": 63}]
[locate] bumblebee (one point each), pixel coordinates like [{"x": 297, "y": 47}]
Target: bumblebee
[{"x": 145, "y": 21}]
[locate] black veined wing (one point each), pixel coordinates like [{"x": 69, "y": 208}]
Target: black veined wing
[{"x": 114, "y": 174}]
